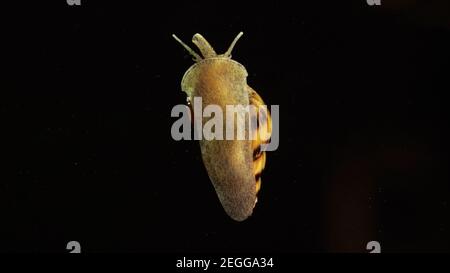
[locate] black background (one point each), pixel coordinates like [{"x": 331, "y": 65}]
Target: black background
[{"x": 87, "y": 153}]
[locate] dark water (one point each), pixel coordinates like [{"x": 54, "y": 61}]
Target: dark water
[{"x": 88, "y": 156}]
